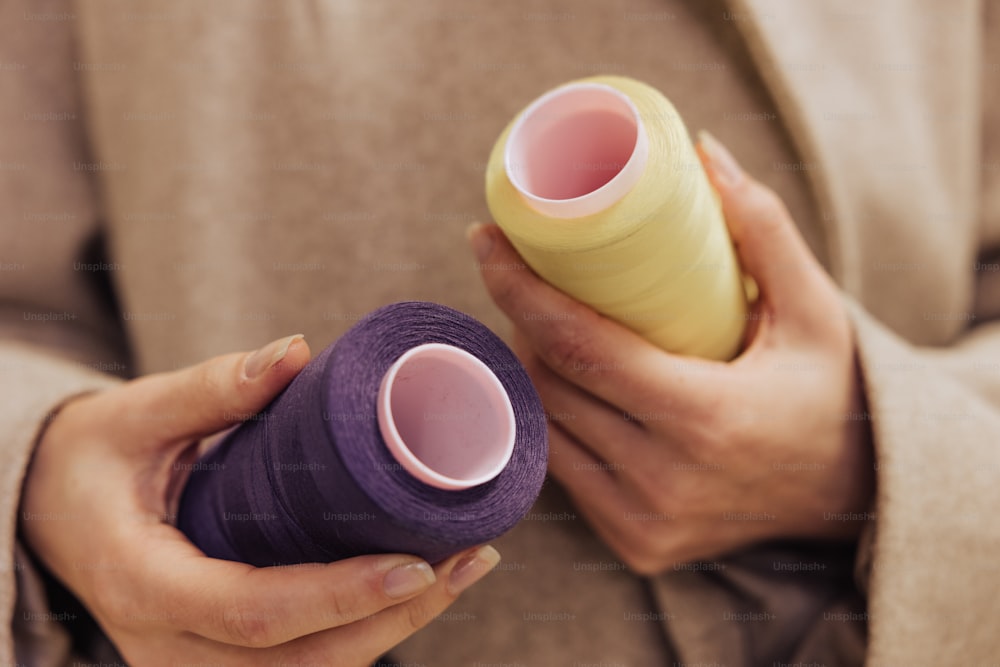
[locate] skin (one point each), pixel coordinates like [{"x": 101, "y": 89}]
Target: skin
[
  {"x": 672, "y": 458},
  {"x": 97, "y": 501}
]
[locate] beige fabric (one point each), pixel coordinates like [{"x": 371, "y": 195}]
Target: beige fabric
[{"x": 250, "y": 169}]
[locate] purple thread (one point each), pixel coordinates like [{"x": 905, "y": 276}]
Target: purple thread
[{"x": 310, "y": 479}]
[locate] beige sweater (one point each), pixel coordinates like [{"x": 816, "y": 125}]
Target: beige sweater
[{"x": 183, "y": 178}]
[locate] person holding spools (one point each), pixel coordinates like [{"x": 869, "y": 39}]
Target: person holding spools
[{"x": 772, "y": 420}]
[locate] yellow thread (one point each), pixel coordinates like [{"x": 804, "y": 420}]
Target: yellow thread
[{"x": 640, "y": 239}]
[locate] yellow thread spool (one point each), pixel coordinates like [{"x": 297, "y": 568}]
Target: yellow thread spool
[{"x": 598, "y": 186}]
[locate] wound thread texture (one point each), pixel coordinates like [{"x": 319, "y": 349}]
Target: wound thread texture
[
  {"x": 310, "y": 479},
  {"x": 657, "y": 258}
]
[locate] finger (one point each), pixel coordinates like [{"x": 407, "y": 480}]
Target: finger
[
  {"x": 242, "y": 605},
  {"x": 592, "y": 485},
  {"x": 590, "y": 481},
  {"x": 589, "y": 350},
  {"x": 603, "y": 429},
  {"x": 205, "y": 398},
  {"x": 612, "y": 506},
  {"x": 362, "y": 642},
  {"x": 769, "y": 246}
]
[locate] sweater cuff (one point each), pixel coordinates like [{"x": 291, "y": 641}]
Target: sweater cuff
[
  {"x": 928, "y": 558},
  {"x": 35, "y": 384}
]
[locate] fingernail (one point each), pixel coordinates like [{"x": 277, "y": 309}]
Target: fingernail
[
  {"x": 405, "y": 580},
  {"x": 269, "y": 355},
  {"x": 472, "y": 568},
  {"x": 725, "y": 166},
  {"x": 481, "y": 239}
]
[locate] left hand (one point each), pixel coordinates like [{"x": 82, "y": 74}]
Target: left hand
[
  {"x": 673, "y": 458},
  {"x": 104, "y": 482}
]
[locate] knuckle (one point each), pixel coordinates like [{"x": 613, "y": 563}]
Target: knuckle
[
  {"x": 115, "y": 606},
  {"x": 343, "y": 609},
  {"x": 414, "y": 617},
  {"x": 651, "y": 555},
  {"x": 508, "y": 290},
  {"x": 765, "y": 202},
  {"x": 632, "y": 542},
  {"x": 569, "y": 351},
  {"x": 249, "y": 627},
  {"x": 642, "y": 562},
  {"x": 710, "y": 434},
  {"x": 763, "y": 211},
  {"x": 206, "y": 380}
]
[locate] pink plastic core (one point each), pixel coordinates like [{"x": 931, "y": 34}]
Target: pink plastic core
[
  {"x": 445, "y": 417},
  {"x": 576, "y": 150}
]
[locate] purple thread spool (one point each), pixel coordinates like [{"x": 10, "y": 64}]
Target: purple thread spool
[{"x": 418, "y": 432}]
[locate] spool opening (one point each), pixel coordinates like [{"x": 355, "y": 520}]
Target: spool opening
[
  {"x": 576, "y": 150},
  {"x": 445, "y": 417}
]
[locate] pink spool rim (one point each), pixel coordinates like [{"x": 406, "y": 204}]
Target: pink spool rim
[
  {"x": 445, "y": 417},
  {"x": 577, "y": 150}
]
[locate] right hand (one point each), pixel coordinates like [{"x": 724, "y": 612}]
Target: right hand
[{"x": 95, "y": 508}]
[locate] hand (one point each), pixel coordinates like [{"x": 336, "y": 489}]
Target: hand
[
  {"x": 96, "y": 502},
  {"x": 672, "y": 458}
]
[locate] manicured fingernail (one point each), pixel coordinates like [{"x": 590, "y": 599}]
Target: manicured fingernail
[
  {"x": 403, "y": 581},
  {"x": 725, "y": 166},
  {"x": 269, "y": 355},
  {"x": 481, "y": 239},
  {"x": 472, "y": 568}
]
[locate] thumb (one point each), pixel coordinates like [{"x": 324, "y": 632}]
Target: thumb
[
  {"x": 205, "y": 398},
  {"x": 769, "y": 246}
]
